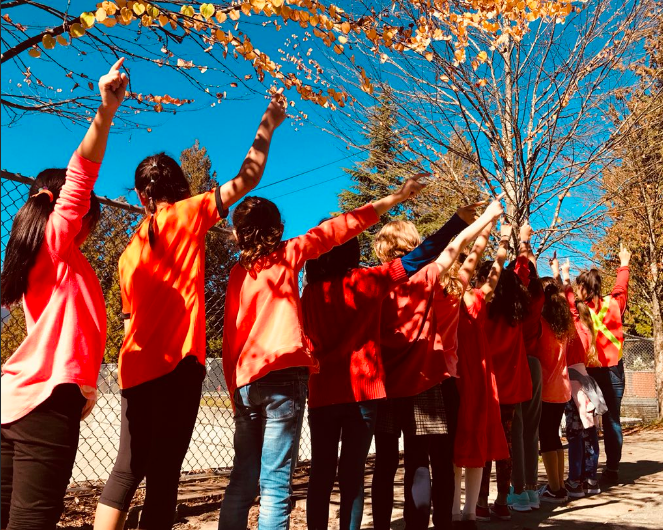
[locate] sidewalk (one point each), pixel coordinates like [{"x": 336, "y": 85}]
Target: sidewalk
[{"x": 636, "y": 503}]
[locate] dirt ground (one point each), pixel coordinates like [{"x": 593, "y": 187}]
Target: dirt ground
[{"x": 636, "y": 503}]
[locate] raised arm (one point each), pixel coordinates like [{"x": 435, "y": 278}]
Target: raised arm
[
  {"x": 525, "y": 248},
  {"x": 566, "y": 269},
  {"x": 554, "y": 267},
  {"x": 467, "y": 268},
  {"x": 112, "y": 87},
  {"x": 488, "y": 288},
  {"x": 408, "y": 190},
  {"x": 620, "y": 290},
  {"x": 450, "y": 253},
  {"x": 254, "y": 164}
]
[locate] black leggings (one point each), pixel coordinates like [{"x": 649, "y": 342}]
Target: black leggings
[
  {"x": 158, "y": 418},
  {"x": 38, "y": 453},
  {"x": 551, "y": 418}
]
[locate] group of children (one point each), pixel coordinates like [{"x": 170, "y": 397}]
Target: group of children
[{"x": 470, "y": 366}]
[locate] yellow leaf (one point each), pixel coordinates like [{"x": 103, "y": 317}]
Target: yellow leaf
[
  {"x": 139, "y": 9},
  {"x": 101, "y": 14},
  {"x": 163, "y": 20},
  {"x": 459, "y": 55},
  {"x": 87, "y": 20},
  {"x": 338, "y": 49},
  {"x": 220, "y": 17},
  {"x": 259, "y": 4},
  {"x": 48, "y": 41},
  {"x": 187, "y": 11},
  {"x": 429, "y": 56},
  {"x": 126, "y": 16},
  {"x": 277, "y": 3},
  {"x": 482, "y": 57},
  {"x": 109, "y": 7},
  {"x": 234, "y": 14},
  {"x": 221, "y": 36},
  {"x": 246, "y": 8},
  {"x": 207, "y": 11},
  {"x": 342, "y": 39},
  {"x": 62, "y": 41},
  {"x": 35, "y": 52},
  {"x": 371, "y": 34},
  {"x": 146, "y": 20},
  {"x": 76, "y": 31},
  {"x": 345, "y": 27}
]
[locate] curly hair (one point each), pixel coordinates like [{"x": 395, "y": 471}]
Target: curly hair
[
  {"x": 258, "y": 229},
  {"x": 395, "y": 239},
  {"x": 449, "y": 279},
  {"x": 556, "y": 310},
  {"x": 511, "y": 298}
]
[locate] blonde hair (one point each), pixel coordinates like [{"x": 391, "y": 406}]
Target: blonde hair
[{"x": 395, "y": 239}]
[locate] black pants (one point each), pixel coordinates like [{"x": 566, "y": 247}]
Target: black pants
[
  {"x": 158, "y": 418},
  {"x": 38, "y": 453},
  {"x": 551, "y": 419}
]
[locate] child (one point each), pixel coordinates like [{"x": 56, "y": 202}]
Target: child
[
  {"x": 342, "y": 309},
  {"x": 607, "y": 316},
  {"x": 408, "y": 338},
  {"x": 49, "y": 383},
  {"x": 162, "y": 360},
  {"x": 557, "y": 332},
  {"x": 509, "y": 316},
  {"x": 480, "y": 437},
  {"x": 265, "y": 361},
  {"x": 587, "y": 399}
]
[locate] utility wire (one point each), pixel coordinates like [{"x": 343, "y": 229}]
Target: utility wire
[{"x": 308, "y": 187}]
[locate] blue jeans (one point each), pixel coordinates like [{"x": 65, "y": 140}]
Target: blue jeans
[
  {"x": 583, "y": 446},
  {"x": 268, "y": 424},
  {"x": 611, "y": 381},
  {"x": 353, "y": 424}
]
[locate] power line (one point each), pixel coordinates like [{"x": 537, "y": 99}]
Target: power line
[
  {"x": 309, "y": 171},
  {"x": 311, "y": 186}
]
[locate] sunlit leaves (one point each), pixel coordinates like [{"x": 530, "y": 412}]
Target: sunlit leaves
[
  {"x": 76, "y": 31},
  {"x": 35, "y": 52},
  {"x": 207, "y": 11},
  {"x": 48, "y": 41}
]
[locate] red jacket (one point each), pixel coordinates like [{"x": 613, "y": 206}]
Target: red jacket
[
  {"x": 342, "y": 324},
  {"x": 262, "y": 324},
  {"x": 609, "y": 346}
]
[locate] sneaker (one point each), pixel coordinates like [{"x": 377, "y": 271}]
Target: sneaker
[
  {"x": 555, "y": 497},
  {"x": 518, "y": 502},
  {"x": 610, "y": 475},
  {"x": 500, "y": 511},
  {"x": 575, "y": 489},
  {"x": 483, "y": 513},
  {"x": 592, "y": 487},
  {"x": 533, "y": 499}
]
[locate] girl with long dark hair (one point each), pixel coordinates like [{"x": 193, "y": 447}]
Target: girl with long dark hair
[
  {"x": 162, "y": 360},
  {"x": 49, "y": 383}
]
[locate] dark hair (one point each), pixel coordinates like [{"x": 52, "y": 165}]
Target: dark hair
[
  {"x": 257, "y": 223},
  {"x": 556, "y": 309},
  {"x": 511, "y": 298},
  {"x": 334, "y": 264},
  {"x": 160, "y": 179},
  {"x": 590, "y": 281},
  {"x": 27, "y": 234}
]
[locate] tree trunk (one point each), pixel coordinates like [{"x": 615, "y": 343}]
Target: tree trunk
[{"x": 657, "y": 327}]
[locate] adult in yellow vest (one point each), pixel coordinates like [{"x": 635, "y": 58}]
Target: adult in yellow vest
[{"x": 607, "y": 315}]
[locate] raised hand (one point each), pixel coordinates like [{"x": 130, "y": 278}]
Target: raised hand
[
  {"x": 566, "y": 269},
  {"x": 112, "y": 87},
  {"x": 495, "y": 209},
  {"x": 525, "y": 232},
  {"x": 468, "y": 213},
  {"x": 554, "y": 265},
  {"x": 412, "y": 186},
  {"x": 624, "y": 255},
  {"x": 275, "y": 113}
]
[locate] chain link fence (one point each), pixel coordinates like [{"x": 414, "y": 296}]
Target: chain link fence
[
  {"x": 640, "y": 393},
  {"x": 211, "y": 448}
]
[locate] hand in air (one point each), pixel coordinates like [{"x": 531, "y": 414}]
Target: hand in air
[
  {"x": 495, "y": 209},
  {"x": 624, "y": 255},
  {"x": 566, "y": 269},
  {"x": 412, "y": 186},
  {"x": 468, "y": 213},
  {"x": 112, "y": 87},
  {"x": 525, "y": 232},
  {"x": 275, "y": 112}
]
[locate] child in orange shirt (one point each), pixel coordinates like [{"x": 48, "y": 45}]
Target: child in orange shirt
[
  {"x": 265, "y": 359},
  {"x": 162, "y": 360}
]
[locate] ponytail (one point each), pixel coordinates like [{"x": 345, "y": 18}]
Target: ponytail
[
  {"x": 27, "y": 234},
  {"x": 159, "y": 178},
  {"x": 556, "y": 310}
]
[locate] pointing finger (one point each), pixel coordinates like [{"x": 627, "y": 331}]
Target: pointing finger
[{"x": 118, "y": 64}]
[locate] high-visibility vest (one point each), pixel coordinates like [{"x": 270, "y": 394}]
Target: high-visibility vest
[{"x": 609, "y": 333}]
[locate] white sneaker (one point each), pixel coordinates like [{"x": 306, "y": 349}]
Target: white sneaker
[{"x": 534, "y": 501}]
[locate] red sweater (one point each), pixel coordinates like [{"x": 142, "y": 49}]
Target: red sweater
[
  {"x": 262, "y": 324},
  {"x": 342, "y": 325},
  {"x": 608, "y": 353},
  {"x": 581, "y": 341},
  {"x": 64, "y": 308},
  {"x": 556, "y": 386},
  {"x": 413, "y": 367}
]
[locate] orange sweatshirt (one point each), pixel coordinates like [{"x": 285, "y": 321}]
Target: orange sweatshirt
[{"x": 263, "y": 315}]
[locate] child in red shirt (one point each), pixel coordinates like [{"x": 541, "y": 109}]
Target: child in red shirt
[
  {"x": 266, "y": 360},
  {"x": 49, "y": 383},
  {"x": 162, "y": 360},
  {"x": 342, "y": 307},
  {"x": 479, "y": 436}
]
